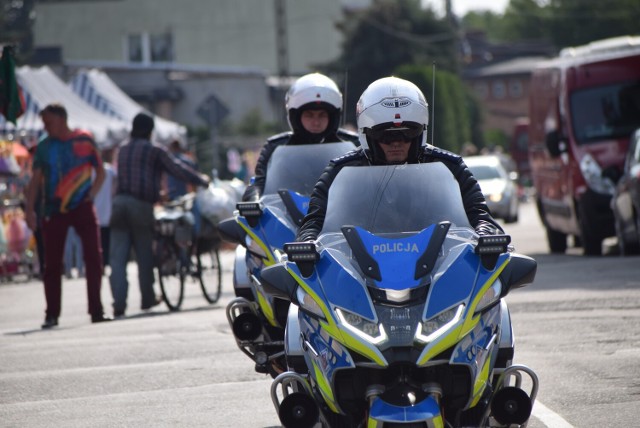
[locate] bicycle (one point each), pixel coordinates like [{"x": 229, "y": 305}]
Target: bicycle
[{"x": 180, "y": 253}]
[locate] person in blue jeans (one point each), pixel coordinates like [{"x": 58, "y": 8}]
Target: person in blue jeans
[{"x": 141, "y": 165}]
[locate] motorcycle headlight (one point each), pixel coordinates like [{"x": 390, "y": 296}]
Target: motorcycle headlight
[
  {"x": 308, "y": 304},
  {"x": 432, "y": 328},
  {"x": 592, "y": 173},
  {"x": 490, "y": 296},
  {"x": 365, "y": 329}
]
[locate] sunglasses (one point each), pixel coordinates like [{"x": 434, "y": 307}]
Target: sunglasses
[{"x": 388, "y": 136}]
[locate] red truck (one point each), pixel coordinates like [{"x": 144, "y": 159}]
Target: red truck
[{"x": 583, "y": 107}]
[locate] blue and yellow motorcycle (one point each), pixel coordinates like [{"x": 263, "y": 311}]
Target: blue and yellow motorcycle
[
  {"x": 401, "y": 319},
  {"x": 262, "y": 228}
]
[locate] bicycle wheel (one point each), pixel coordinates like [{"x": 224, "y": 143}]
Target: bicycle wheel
[
  {"x": 210, "y": 274},
  {"x": 171, "y": 273}
]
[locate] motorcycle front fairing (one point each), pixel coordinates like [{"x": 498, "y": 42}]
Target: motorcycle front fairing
[
  {"x": 399, "y": 288},
  {"x": 292, "y": 173}
]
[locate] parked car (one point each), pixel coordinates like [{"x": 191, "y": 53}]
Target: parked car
[
  {"x": 499, "y": 187},
  {"x": 625, "y": 202}
]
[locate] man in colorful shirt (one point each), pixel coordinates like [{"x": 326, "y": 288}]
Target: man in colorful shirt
[{"x": 62, "y": 168}]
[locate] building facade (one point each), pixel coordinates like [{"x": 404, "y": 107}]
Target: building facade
[{"x": 288, "y": 36}]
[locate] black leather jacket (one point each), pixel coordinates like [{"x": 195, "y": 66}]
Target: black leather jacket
[
  {"x": 255, "y": 189},
  {"x": 474, "y": 203}
]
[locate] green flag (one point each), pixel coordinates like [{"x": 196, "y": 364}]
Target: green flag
[{"x": 11, "y": 100}]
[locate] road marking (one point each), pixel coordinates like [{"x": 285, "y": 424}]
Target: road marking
[{"x": 548, "y": 417}]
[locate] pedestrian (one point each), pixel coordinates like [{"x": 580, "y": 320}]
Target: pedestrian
[
  {"x": 314, "y": 106},
  {"x": 392, "y": 116},
  {"x": 140, "y": 167},
  {"x": 62, "y": 168},
  {"x": 103, "y": 203}
]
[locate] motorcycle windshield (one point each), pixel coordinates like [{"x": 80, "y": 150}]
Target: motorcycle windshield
[
  {"x": 297, "y": 168},
  {"x": 394, "y": 199}
]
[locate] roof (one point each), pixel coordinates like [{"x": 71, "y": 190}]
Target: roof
[
  {"x": 41, "y": 86},
  {"x": 516, "y": 66},
  {"x": 96, "y": 88}
]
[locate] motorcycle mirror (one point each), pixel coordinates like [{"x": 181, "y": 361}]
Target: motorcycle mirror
[
  {"x": 230, "y": 231},
  {"x": 277, "y": 281},
  {"x": 519, "y": 272}
]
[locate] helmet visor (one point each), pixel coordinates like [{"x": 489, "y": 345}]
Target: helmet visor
[{"x": 388, "y": 132}]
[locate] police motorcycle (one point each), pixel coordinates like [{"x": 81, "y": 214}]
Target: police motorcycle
[
  {"x": 261, "y": 228},
  {"x": 401, "y": 317}
]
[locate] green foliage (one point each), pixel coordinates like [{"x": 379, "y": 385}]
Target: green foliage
[
  {"x": 252, "y": 124},
  {"x": 388, "y": 34},
  {"x": 561, "y": 22},
  {"x": 496, "y": 138},
  {"x": 451, "y": 124}
]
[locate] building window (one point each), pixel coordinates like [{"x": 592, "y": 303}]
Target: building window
[
  {"x": 146, "y": 48},
  {"x": 161, "y": 47},
  {"x": 515, "y": 88},
  {"x": 135, "y": 49},
  {"x": 498, "y": 90},
  {"x": 482, "y": 90}
]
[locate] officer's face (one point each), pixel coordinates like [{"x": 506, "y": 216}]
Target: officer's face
[
  {"x": 396, "y": 150},
  {"x": 315, "y": 121}
]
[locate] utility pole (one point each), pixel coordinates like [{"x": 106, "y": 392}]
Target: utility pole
[{"x": 282, "y": 42}]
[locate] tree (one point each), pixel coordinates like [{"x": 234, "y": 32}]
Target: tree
[
  {"x": 561, "y": 22},
  {"x": 576, "y": 22},
  {"x": 381, "y": 38},
  {"x": 16, "y": 21},
  {"x": 450, "y": 112}
]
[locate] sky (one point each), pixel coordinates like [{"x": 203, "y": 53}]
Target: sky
[{"x": 461, "y": 7}]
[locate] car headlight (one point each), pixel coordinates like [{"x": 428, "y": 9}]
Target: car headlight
[
  {"x": 592, "y": 173},
  {"x": 308, "y": 304},
  {"x": 363, "y": 328},
  {"x": 432, "y": 328},
  {"x": 495, "y": 197},
  {"x": 490, "y": 296}
]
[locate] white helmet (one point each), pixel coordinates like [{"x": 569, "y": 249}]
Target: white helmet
[
  {"x": 313, "y": 91},
  {"x": 391, "y": 105}
]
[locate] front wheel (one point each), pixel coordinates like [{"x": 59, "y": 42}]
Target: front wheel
[
  {"x": 210, "y": 274},
  {"x": 171, "y": 273}
]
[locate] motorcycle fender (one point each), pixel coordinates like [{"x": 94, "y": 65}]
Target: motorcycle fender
[
  {"x": 265, "y": 302},
  {"x": 240, "y": 273},
  {"x": 292, "y": 343},
  {"x": 427, "y": 411}
]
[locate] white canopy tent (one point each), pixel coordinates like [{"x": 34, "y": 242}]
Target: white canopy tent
[
  {"x": 41, "y": 86},
  {"x": 96, "y": 88}
]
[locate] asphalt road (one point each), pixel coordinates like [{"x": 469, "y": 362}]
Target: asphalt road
[{"x": 578, "y": 326}]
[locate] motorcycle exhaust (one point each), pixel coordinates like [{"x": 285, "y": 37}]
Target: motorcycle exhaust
[{"x": 247, "y": 326}]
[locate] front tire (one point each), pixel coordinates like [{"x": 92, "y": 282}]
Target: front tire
[
  {"x": 591, "y": 239},
  {"x": 171, "y": 273},
  {"x": 210, "y": 274},
  {"x": 557, "y": 241}
]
